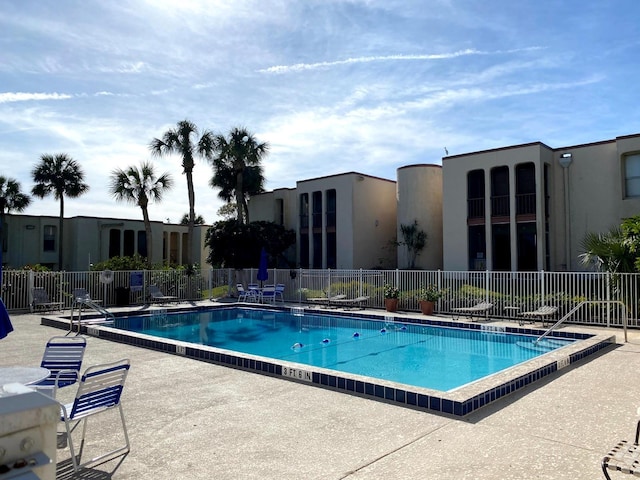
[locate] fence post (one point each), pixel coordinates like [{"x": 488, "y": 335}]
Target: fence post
[
  {"x": 31, "y": 285},
  {"x": 360, "y": 293},
  {"x": 542, "y": 289},
  {"x": 608, "y": 297},
  {"x": 487, "y": 277}
]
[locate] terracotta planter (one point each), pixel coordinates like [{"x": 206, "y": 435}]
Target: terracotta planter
[
  {"x": 426, "y": 307},
  {"x": 391, "y": 304}
]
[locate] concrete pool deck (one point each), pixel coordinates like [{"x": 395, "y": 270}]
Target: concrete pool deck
[{"x": 191, "y": 419}]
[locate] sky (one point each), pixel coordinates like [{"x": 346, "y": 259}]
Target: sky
[{"x": 332, "y": 86}]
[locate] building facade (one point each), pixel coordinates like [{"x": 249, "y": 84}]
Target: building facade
[
  {"x": 341, "y": 221},
  {"x": 518, "y": 208},
  {"x": 528, "y": 207},
  {"x": 30, "y": 240}
]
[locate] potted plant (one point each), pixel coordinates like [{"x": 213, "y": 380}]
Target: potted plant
[
  {"x": 428, "y": 297},
  {"x": 391, "y": 294}
]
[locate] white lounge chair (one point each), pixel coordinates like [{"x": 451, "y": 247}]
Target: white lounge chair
[
  {"x": 624, "y": 457},
  {"x": 327, "y": 301},
  {"x": 156, "y": 295},
  {"x": 268, "y": 294},
  {"x": 246, "y": 295},
  {"x": 41, "y": 301},
  {"x": 477, "y": 310},
  {"x": 99, "y": 391},
  {"x": 63, "y": 358},
  {"x": 543, "y": 313},
  {"x": 352, "y": 303}
]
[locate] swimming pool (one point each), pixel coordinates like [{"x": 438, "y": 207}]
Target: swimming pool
[
  {"x": 456, "y": 401},
  {"x": 419, "y": 355}
]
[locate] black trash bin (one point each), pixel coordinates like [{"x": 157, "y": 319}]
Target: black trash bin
[{"x": 122, "y": 296}]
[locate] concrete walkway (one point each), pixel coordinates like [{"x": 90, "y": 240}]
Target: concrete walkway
[{"x": 193, "y": 420}]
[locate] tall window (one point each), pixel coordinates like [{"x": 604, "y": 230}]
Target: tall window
[
  {"x": 49, "y": 238},
  {"x": 525, "y": 189},
  {"x": 317, "y": 209},
  {"x": 500, "y": 192},
  {"x": 632, "y": 175},
  {"x": 475, "y": 194},
  {"x": 142, "y": 243},
  {"x": 477, "y": 248},
  {"x": 129, "y": 243},
  {"x": 279, "y": 211},
  {"x": 304, "y": 210},
  {"x": 114, "y": 242},
  {"x": 331, "y": 208}
]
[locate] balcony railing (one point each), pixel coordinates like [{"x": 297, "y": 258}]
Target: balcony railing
[
  {"x": 526, "y": 204},
  {"x": 500, "y": 206}
]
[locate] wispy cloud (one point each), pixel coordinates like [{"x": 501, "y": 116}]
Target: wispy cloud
[
  {"x": 278, "y": 69},
  {"x": 9, "y": 97}
]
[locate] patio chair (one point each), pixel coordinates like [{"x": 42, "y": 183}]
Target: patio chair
[
  {"x": 478, "y": 309},
  {"x": 156, "y": 295},
  {"x": 279, "y": 293},
  {"x": 356, "y": 303},
  {"x": 41, "y": 301},
  {"x": 268, "y": 294},
  {"x": 81, "y": 296},
  {"x": 63, "y": 358},
  {"x": 99, "y": 391},
  {"x": 623, "y": 457},
  {"x": 246, "y": 295},
  {"x": 544, "y": 313},
  {"x": 327, "y": 301}
]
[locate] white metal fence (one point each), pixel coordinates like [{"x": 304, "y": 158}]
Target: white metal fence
[{"x": 520, "y": 291}]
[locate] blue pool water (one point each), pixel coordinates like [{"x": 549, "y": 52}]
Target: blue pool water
[{"x": 420, "y": 355}]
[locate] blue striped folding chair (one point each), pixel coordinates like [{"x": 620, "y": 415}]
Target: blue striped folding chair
[
  {"x": 99, "y": 391},
  {"x": 63, "y": 358}
]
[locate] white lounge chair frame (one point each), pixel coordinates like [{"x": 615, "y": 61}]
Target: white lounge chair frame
[
  {"x": 156, "y": 295},
  {"x": 246, "y": 295},
  {"x": 479, "y": 309},
  {"x": 41, "y": 301},
  {"x": 63, "y": 358},
  {"x": 99, "y": 391},
  {"x": 543, "y": 313},
  {"x": 356, "y": 303},
  {"x": 327, "y": 301},
  {"x": 623, "y": 457}
]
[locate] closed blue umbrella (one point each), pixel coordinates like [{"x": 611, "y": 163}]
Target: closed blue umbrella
[
  {"x": 263, "y": 274},
  {"x": 5, "y": 322}
]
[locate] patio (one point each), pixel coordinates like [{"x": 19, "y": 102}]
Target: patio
[{"x": 190, "y": 419}]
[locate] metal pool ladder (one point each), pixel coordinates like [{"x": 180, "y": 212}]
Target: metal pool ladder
[{"x": 575, "y": 309}]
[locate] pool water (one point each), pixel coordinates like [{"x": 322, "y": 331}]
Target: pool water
[{"x": 420, "y": 355}]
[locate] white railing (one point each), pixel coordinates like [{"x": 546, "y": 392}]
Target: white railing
[{"x": 609, "y": 295}]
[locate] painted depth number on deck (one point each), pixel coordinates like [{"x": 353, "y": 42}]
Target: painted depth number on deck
[{"x": 297, "y": 374}]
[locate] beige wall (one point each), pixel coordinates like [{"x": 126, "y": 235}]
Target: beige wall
[
  {"x": 420, "y": 198},
  {"x": 454, "y": 201},
  {"x": 86, "y": 240},
  {"x": 374, "y": 220}
]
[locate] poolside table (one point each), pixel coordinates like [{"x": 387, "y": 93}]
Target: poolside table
[{"x": 23, "y": 375}]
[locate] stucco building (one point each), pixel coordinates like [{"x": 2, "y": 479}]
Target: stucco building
[
  {"x": 517, "y": 208},
  {"x": 528, "y": 207},
  {"x": 30, "y": 240}
]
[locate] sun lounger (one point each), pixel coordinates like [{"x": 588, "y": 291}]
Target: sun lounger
[
  {"x": 326, "y": 301},
  {"x": 624, "y": 457},
  {"x": 156, "y": 295},
  {"x": 477, "y": 310},
  {"x": 42, "y": 303},
  {"x": 352, "y": 303},
  {"x": 544, "y": 313}
]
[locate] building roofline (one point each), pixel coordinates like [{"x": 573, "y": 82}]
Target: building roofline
[
  {"x": 344, "y": 175},
  {"x": 420, "y": 165},
  {"x": 499, "y": 149}
]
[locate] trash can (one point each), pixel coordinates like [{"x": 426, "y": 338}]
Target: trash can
[{"x": 122, "y": 296}]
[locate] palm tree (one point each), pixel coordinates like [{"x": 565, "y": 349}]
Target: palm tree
[
  {"x": 180, "y": 140},
  {"x": 237, "y": 169},
  {"x": 138, "y": 186},
  {"x": 59, "y": 175},
  {"x": 199, "y": 220},
  {"x": 607, "y": 252},
  {"x": 11, "y": 199}
]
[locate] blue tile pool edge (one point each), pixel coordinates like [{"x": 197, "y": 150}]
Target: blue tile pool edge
[{"x": 459, "y": 402}]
